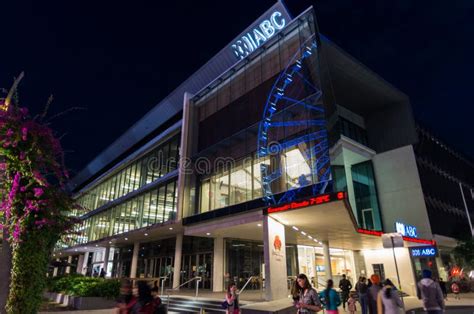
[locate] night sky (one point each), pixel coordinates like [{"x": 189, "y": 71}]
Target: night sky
[{"x": 117, "y": 59}]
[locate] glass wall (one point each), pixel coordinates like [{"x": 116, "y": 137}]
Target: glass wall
[
  {"x": 150, "y": 167},
  {"x": 244, "y": 259},
  {"x": 156, "y": 259},
  {"x": 153, "y": 207},
  {"x": 353, "y": 131},
  {"x": 365, "y": 193},
  {"x": 241, "y": 181}
]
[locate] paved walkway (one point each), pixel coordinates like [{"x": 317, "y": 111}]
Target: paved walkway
[{"x": 412, "y": 304}]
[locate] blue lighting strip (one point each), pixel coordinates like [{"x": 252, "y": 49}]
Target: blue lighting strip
[{"x": 318, "y": 154}]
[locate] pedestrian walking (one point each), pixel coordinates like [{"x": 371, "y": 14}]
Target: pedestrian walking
[
  {"x": 455, "y": 289},
  {"x": 308, "y": 300},
  {"x": 102, "y": 273},
  {"x": 345, "y": 286},
  {"x": 361, "y": 288},
  {"x": 388, "y": 299},
  {"x": 430, "y": 293},
  {"x": 442, "y": 285},
  {"x": 232, "y": 299},
  {"x": 145, "y": 304},
  {"x": 330, "y": 298},
  {"x": 351, "y": 303},
  {"x": 126, "y": 299},
  {"x": 372, "y": 294}
]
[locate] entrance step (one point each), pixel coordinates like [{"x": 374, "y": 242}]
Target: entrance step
[{"x": 188, "y": 305}]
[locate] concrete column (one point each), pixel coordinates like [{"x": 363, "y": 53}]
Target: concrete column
[
  {"x": 218, "y": 265},
  {"x": 274, "y": 249},
  {"x": 133, "y": 267},
  {"x": 177, "y": 260},
  {"x": 80, "y": 262},
  {"x": 69, "y": 261},
  {"x": 327, "y": 260},
  {"x": 106, "y": 260},
  {"x": 359, "y": 265},
  {"x": 55, "y": 270},
  {"x": 84, "y": 263}
]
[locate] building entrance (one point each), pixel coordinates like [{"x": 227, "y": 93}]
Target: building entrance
[
  {"x": 194, "y": 265},
  {"x": 159, "y": 267}
]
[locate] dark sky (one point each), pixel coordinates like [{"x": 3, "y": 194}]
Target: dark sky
[{"x": 117, "y": 59}]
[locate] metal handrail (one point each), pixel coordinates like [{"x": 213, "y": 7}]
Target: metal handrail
[
  {"x": 163, "y": 279},
  {"x": 245, "y": 286},
  {"x": 197, "y": 278}
]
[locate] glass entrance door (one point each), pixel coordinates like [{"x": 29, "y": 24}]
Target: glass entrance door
[
  {"x": 159, "y": 267},
  {"x": 194, "y": 265}
]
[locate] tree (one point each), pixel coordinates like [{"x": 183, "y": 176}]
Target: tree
[
  {"x": 34, "y": 201},
  {"x": 464, "y": 253}
]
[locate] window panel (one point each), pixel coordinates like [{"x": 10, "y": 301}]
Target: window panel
[
  {"x": 146, "y": 210},
  {"x": 205, "y": 196},
  {"x": 164, "y": 156},
  {"x": 161, "y": 205},
  {"x": 169, "y": 202}
]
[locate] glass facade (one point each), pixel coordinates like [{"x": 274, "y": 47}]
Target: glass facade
[
  {"x": 156, "y": 258},
  {"x": 245, "y": 259},
  {"x": 368, "y": 212},
  {"x": 152, "y": 207},
  {"x": 353, "y": 131},
  {"x": 197, "y": 260},
  {"x": 148, "y": 168},
  {"x": 241, "y": 181}
]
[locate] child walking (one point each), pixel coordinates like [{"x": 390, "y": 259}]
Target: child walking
[{"x": 351, "y": 303}]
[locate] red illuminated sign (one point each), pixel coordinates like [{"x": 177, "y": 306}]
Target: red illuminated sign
[
  {"x": 408, "y": 239},
  {"x": 370, "y": 232},
  {"x": 320, "y": 199}
]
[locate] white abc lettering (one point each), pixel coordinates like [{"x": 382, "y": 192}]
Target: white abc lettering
[
  {"x": 276, "y": 24},
  {"x": 400, "y": 228},
  {"x": 267, "y": 28},
  {"x": 259, "y": 37},
  {"x": 260, "y": 34}
]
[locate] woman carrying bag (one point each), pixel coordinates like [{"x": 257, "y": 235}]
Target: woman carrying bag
[
  {"x": 330, "y": 298},
  {"x": 231, "y": 302}
]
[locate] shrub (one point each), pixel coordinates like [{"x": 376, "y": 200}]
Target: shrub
[{"x": 81, "y": 286}]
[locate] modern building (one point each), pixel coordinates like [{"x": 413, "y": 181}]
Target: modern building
[{"x": 281, "y": 155}]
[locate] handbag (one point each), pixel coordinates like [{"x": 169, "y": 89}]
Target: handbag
[{"x": 224, "y": 304}]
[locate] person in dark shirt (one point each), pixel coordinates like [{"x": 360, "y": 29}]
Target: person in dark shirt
[
  {"x": 345, "y": 286},
  {"x": 361, "y": 288},
  {"x": 442, "y": 285}
]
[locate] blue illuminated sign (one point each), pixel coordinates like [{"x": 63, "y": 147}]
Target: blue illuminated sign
[
  {"x": 259, "y": 34},
  {"x": 424, "y": 251},
  {"x": 406, "y": 230}
]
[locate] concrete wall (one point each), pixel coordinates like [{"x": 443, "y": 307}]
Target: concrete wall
[
  {"x": 399, "y": 191},
  {"x": 385, "y": 257}
]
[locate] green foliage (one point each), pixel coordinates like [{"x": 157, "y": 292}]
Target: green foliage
[
  {"x": 464, "y": 253},
  {"x": 33, "y": 200},
  {"x": 80, "y": 286},
  {"x": 27, "y": 275}
]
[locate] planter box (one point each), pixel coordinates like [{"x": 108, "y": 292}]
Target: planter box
[
  {"x": 90, "y": 303},
  {"x": 81, "y": 303}
]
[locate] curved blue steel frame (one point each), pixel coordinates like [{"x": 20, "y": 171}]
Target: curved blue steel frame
[{"x": 317, "y": 156}]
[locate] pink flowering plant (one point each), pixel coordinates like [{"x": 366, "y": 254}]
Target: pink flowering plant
[{"x": 33, "y": 201}]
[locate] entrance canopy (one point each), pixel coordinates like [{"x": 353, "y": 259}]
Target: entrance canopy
[
  {"x": 331, "y": 221},
  {"x": 312, "y": 221},
  {"x": 326, "y": 220}
]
